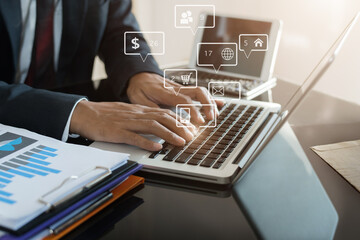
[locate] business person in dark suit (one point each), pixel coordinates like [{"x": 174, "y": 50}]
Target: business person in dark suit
[{"x": 47, "y": 47}]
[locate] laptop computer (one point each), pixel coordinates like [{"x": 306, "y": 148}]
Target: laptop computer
[
  {"x": 254, "y": 69},
  {"x": 221, "y": 150}
]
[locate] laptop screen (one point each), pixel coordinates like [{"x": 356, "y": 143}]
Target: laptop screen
[{"x": 228, "y": 30}]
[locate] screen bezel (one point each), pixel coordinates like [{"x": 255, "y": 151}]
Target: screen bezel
[{"x": 270, "y": 56}]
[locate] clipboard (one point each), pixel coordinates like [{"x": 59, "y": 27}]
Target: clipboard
[
  {"x": 111, "y": 183},
  {"x": 129, "y": 184},
  {"x": 62, "y": 208}
]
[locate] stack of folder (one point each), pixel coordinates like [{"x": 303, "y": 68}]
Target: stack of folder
[{"x": 49, "y": 188}]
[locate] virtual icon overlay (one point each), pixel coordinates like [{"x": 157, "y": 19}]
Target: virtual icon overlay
[
  {"x": 155, "y": 40},
  {"x": 193, "y": 17},
  {"x": 249, "y": 43},
  {"x": 217, "y": 55},
  {"x": 223, "y": 89},
  {"x": 187, "y": 78},
  {"x": 184, "y": 114}
]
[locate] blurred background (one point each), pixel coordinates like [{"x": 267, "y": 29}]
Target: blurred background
[{"x": 309, "y": 28}]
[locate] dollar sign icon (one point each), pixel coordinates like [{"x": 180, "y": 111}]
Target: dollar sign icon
[{"x": 135, "y": 43}]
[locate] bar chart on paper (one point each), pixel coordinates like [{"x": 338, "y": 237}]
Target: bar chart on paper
[
  {"x": 37, "y": 172},
  {"x": 25, "y": 164}
]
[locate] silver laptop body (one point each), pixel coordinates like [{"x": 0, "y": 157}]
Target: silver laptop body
[{"x": 267, "y": 123}]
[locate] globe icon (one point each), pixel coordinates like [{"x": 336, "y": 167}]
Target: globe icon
[{"x": 227, "y": 54}]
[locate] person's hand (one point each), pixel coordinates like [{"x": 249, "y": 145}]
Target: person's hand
[
  {"x": 148, "y": 89},
  {"x": 122, "y": 123}
]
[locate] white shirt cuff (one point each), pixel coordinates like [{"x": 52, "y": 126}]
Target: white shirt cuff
[{"x": 66, "y": 133}]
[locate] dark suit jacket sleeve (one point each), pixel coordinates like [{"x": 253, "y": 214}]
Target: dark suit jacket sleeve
[
  {"x": 120, "y": 67},
  {"x": 37, "y": 110}
]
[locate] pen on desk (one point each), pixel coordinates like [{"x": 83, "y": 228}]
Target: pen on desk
[{"x": 57, "y": 229}]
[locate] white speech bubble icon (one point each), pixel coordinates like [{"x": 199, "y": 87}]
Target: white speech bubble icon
[
  {"x": 182, "y": 114},
  {"x": 220, "y": 89},
  {"x": 132, "y": 43},
  {"x": 217, "y": 55},
  {"x": 249, "y": 43},
  {"x": 187, "y": 78},
  {"x": 186, "y": 16}
]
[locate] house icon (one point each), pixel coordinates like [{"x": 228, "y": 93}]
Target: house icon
[{"x": 258, "y": 42}]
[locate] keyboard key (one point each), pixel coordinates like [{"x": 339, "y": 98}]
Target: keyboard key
[
  {"x": 227, "y": 137},
  {"x": 154, "y": 154},
  {"x": 225, "y": 125},
  {"x": 172, "y": 154},
  {"x": 250, "y": 123},
  {"x": 198, "y": 156},
  {"x": 221, "y": 146},
  {"x": 228, "y": 150},
  {"x": 217, "y": 165},
  {"x": 252, "y": 109},
  {"x": 198, "y": 141},
  {"x": 244, "y": 131},
  {"x": 189, "y": 150},
  {"x": 217, "y": 151},
  {"x": 207, "y": 162},
  {"x": 232, "y": 145},
  {"x": 222, "y": 129},
  {"x": 225, "y": 154},
  {"x": 164, "y": 151},
  {"x": 232, "y": 118},
  {"x": 194, "y": 161},
  {"x": 236, "y": 128},
  {"x": 221, "y": 159},
  {"x": 213, "y": 138},
  {"x": 207, "y": 146},
  {"x": 212, "y": 142},
  {"x": 247, "y": 127},
  {"x": 224, "y": 142},
  {"x": 218, "y": 134},
  {"x": 183, "y": 158},
  {"x": 203, "y": 151},
  {"x": 207, "y": 131},
  {"x": 238, "y": 138},
  {"x": 213, "y": 155},
  {"x": 232, "y": 133},
  {"x": 193, "y": 146}
]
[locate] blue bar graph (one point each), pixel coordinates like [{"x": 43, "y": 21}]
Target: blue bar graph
[
  {"x": 30, "y": 170},
  {"x": 33, "y": 160},
  {"x": 47, "y": 148},
  {"x": 4, "y": 180},
  {"x": 29, "y": 164},
  {"x": 3, "y": 174},
  {"x": 29, "y": 167},
  {"x": 16, "y": 172},
  {"x": 6, "y": 194},
  {"x": 43, "y": 168},
  {"x": 5, "y": 200},
  {"x": 43, "y": 152},
  {"x": 48, "y": 153},
  {"x": 20, "y": 173},
  {"x": 35, "y": 155}
]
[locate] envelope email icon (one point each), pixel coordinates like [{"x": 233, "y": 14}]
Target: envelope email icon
[{"x": 218, "y": 90}]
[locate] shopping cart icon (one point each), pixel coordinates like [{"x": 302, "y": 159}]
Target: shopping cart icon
[{"x": 185, "y": 78}]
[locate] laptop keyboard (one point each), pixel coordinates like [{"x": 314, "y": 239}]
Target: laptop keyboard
[{"x": 211, "y": 147}]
